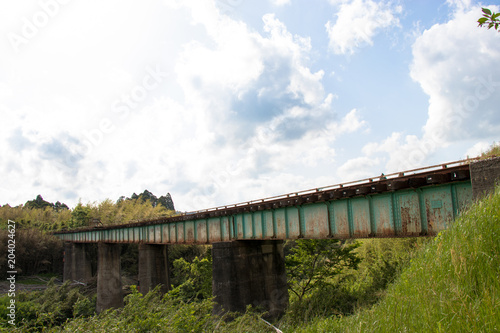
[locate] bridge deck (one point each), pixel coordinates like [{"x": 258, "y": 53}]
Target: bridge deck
[{"x": 412, "y": 203}]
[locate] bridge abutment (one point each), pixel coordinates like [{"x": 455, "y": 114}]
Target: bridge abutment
[
  {"x": 77, "y": 265},
  {"x": 153, "y": 268},
  {"x": 485, "y": 175},
  {"x": 249, "y": 273},
  {"x": 109, "y": 284}
]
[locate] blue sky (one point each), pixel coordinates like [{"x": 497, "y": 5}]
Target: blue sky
[{"x": 223, "y": 101}]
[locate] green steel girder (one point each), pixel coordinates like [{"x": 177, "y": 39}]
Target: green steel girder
[{"x": 404, "y": 212}]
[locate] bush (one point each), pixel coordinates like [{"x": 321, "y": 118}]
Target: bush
[{"x": 49, "y": 308}]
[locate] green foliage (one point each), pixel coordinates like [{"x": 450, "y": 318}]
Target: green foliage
[
  {"x": 84, "y": 306},
  {"x": 451, "y": 285},
  {"x": 313, "y": 262},
  {"x": 154, "y": 313},
  {"x": 80, "y": 216},
  {"x": 49, "y": 308},
  {"x": 188, "y": 252},
  {"x": 40, "y": 203},
  {"x": 489, "y": 19},
  {"x": 47, "y": 216},
  {"x": 165, "y": 200},
  {"x": 381, "y": 261},
  {"x": 128, "y": 210},
  {"x": 36, "y": 252},
  {"x": 195, "y": 278}
]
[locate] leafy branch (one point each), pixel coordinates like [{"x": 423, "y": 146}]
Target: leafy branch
[
  {"x": 489, "y": 19},
  {"x": 313, "y": 263}
]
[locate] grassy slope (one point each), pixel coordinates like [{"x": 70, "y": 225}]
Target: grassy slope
[{"x": 453, "y": 284}]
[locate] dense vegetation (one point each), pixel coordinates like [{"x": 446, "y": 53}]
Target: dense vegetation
[
  {"x": 38, "y": 252},
  {"x": 47, "y": 216},
  {"x": 446, "y": 284},
  {"x": 355, "y": 278},
  {"x": 452, "y": 284},
  {"x": 449, "y": 284}
]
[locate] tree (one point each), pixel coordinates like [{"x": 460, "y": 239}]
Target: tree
[
  {"x": 80, "y": 216},
  {"x": 194, "y": 278},
  {"x": 313, "y": 263},
  {"x": 489, "y": 19},
  {"x": 60, "y": 206}
]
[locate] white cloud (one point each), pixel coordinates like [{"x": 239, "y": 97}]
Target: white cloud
[
  {"x": 358, "y": 168},
  {"x": 269, "y": 113},
  {"x": 404, "y": 152},
  {"x": 350, "y": 123},
  {"x": 478, "y": 149},
  {"x": 456, "y": 65},
  {"x": 358, "y": 21},
  {"x": 280, "y": 2},
  {"x": 237, "y": 114}
]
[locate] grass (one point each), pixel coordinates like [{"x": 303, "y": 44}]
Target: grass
[{"x": 452, "y": 285}]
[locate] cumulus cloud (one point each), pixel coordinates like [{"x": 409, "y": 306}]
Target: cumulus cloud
[
  {"x": 271, "y": 115},
  {"x": 358, "y": 168},
  {"x": 478, "y": 149},
  {"x": 234, "y": 113},
  {"x": 455, "y": 63},
  {"x": 357, "y": 23}
]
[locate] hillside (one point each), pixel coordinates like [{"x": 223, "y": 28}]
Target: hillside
[{"x": 452, "y": 285}]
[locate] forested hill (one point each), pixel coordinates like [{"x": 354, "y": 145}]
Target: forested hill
[
  {"x": 44, "y": 215},
  {"x": 165, "y": 200},
  {"x": 40, "y": 203}
]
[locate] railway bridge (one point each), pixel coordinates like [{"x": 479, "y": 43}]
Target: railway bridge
[{"x": 247, "y": 238}]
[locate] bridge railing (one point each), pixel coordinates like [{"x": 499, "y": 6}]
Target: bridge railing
[{"x": 365, "y": 181}]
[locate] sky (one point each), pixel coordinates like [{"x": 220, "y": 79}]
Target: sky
[{"x": 223, "y": 101}]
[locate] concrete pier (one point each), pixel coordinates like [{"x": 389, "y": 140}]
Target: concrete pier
[
  {"x": 153, "y": 268},
  {"x": 109, "y": 284},
  {"x": 485, "y": 175},
  {"x": 77, "y": 265},
  {"x": 249, "y": 272}
]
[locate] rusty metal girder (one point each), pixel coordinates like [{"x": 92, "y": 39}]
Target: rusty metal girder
[{"x": 412, "y": 204}]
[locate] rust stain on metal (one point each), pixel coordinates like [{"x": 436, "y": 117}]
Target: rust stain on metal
[
  {"x": 430, "y": 218},
  {"x": 190, "y": 235},
  {"x": 405, "y": 219},
  {"x": 213, "y": 231}
]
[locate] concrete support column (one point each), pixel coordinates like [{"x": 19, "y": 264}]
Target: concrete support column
[
  {"x": 82, "y": 268},
  {"x": 77, "y": 264},
  {"x": 109, "y": 284},
  {"x": 249, "y": 272},
  {"x": 68, "y": 261},
  {"x": 153, "y": 267},
  {"x": 484, "y": 176}
]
